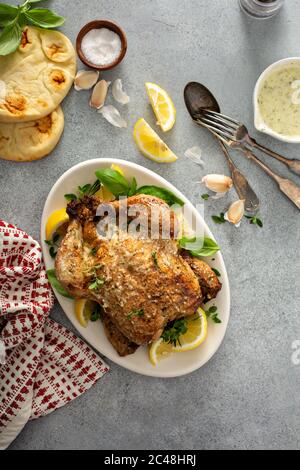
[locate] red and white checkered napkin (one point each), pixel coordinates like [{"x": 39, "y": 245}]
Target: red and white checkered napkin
[{"x": 42, "y": 365}]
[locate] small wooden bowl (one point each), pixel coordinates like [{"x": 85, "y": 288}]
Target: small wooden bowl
[{"x": 97, "y": 24}]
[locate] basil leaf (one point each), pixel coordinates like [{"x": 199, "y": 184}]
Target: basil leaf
[
  {"x": 161, "y": 193},
  {"x": 44, "y": 18},
  {"x": 199, "y": 247},
  {"x": 10, "y": 39},
  {"x": 56, "y": 284},
  {"x": 133, "y": 188},
  {"x": 7, "y": 14},
  {"x": 114, "y": 182},
  {"x": 36, "y": 1}
]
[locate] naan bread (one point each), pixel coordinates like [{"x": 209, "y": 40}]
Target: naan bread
[
  {"x": 28, "y": 141},
  {"x": 36, "y": 78}
]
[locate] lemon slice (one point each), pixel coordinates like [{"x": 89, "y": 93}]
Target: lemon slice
[
  {"x": 196, "y": 333},
  {"x": 55, "y": 221},
  {"x": 162, "y": 105},
  {"x": 159, "y": 350},
  {"x": 84, "y": 309},
  {"x": 151, "y": 145}
]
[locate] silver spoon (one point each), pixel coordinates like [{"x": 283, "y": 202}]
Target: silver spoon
[{"x": 198, "y": 98}]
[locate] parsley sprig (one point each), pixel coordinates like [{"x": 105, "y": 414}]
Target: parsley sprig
[
  {"x": 174, "y": 331},
  {"x": 254, "y": 220},
  {"x": 213, "y": 314}
]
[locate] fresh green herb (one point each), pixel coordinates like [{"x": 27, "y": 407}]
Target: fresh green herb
[
  {"x": 213, "y": 314},
  {"x": 133, "y": 188},
  {"x": 174, "y": 331},
  {"x": 86, "y": 190},
  {"x": 154, "y": 257},
  {"x": 161, "y": 193},
  {"x": 13, "y": 19},
  {"x": 219, "y": 219},
  {"x": 255, "y": 220},
  {"x": 56, "y": 284},
  {"x": 98, "y": 282},
  {"x": 205, "y": 197},
  {"x": 53, "y": 245},
  {"x": 116, "y": 183},
  {"x": 93, "y": 251},
  {"x": 96, "y": 315},
  {"x": 217, "y": 273},
  {"x": 136, "y": 313},
  {"x": 199, "y": 247},
  {"x": 70, "y": 197}
]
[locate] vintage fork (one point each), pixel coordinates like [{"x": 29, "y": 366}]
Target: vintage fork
[
  {"x": 288, "y": 187},
  {"x": 237, "y": 132}
]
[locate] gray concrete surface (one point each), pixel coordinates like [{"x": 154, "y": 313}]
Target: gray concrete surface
[{"x": 247, "y": 397}]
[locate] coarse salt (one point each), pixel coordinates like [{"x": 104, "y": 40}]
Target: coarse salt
[{"x": 101, "y": 46}]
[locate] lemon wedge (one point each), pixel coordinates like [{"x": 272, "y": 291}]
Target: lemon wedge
[
  {"x": 162, "y": 105},
  {"x": 151, "y": 145},
  {"x": 159, "y": 350},
  {"x": 84, "y": 310},
  {"x": 55, "y": 221},
  {"x": 195, "y": 336},
  {"x": 196, "y": 333}
]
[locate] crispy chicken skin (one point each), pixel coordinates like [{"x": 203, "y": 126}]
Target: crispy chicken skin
[
  {"x": 208, "y": 280},
  {"x": 144, "y": 282}
]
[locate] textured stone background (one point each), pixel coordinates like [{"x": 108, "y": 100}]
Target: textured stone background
[{"x": 248, "y": 395}]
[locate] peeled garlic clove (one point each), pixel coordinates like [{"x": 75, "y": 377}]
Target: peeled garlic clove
[
  {"x": 218, "y": 183},
  {"x": 85, "y": 79},
  {"x": 195, "y": 154},
  {"x": 118, "y": 93},
  {"x": 99, "y": 94},
  {"x": 236, "y": 213},
  {"x": 112, "y": 115}
]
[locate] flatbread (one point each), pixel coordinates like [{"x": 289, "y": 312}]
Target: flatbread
[
  {"x": 37, "y": 77},
  {"x": 28, "y": 141}
]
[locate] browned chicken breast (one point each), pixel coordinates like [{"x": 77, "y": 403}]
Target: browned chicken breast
[{"x": 141, "y": 283}]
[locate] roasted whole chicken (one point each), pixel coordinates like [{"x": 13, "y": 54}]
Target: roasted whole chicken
[{"x": 142, "y": 283}]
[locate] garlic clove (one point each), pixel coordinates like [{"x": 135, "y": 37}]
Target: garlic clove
[
  {"x": 112, "y": 115},
  {"x": 118, "y": 93},
  {"x": 218, "y": 183},
  {"x": 99, "y": 94},
  {"x": 85, "y": 79},
  {"x": 235, "y": 213}
]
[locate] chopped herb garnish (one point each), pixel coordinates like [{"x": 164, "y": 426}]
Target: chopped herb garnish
[
  {"x": 96, "y": 315},
  {"x": 53, "y": 245},
  {"x": 217, "y": 273},
  {"x": 86, "y": 190},
  {"x": 98, "y": 282},
  {"x": 254, "y": 220},
  {"x": 136, "y": 313},
  {"x": 219, "y": 219},
  {"x": 154, "y": 256},
  {"x": 174, "y": 331},
  {"x": 205, "y": 197},
  {"x": 213, "y": 314},
  {"x": 93, "y": 251}
]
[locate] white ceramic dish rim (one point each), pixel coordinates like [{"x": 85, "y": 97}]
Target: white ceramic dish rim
[
  {"x": 164, "y": 183},
  {"x": 258, "y": 120}
]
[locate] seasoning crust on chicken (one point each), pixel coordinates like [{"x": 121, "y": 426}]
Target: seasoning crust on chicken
[{"x": 140, "y": 282}]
